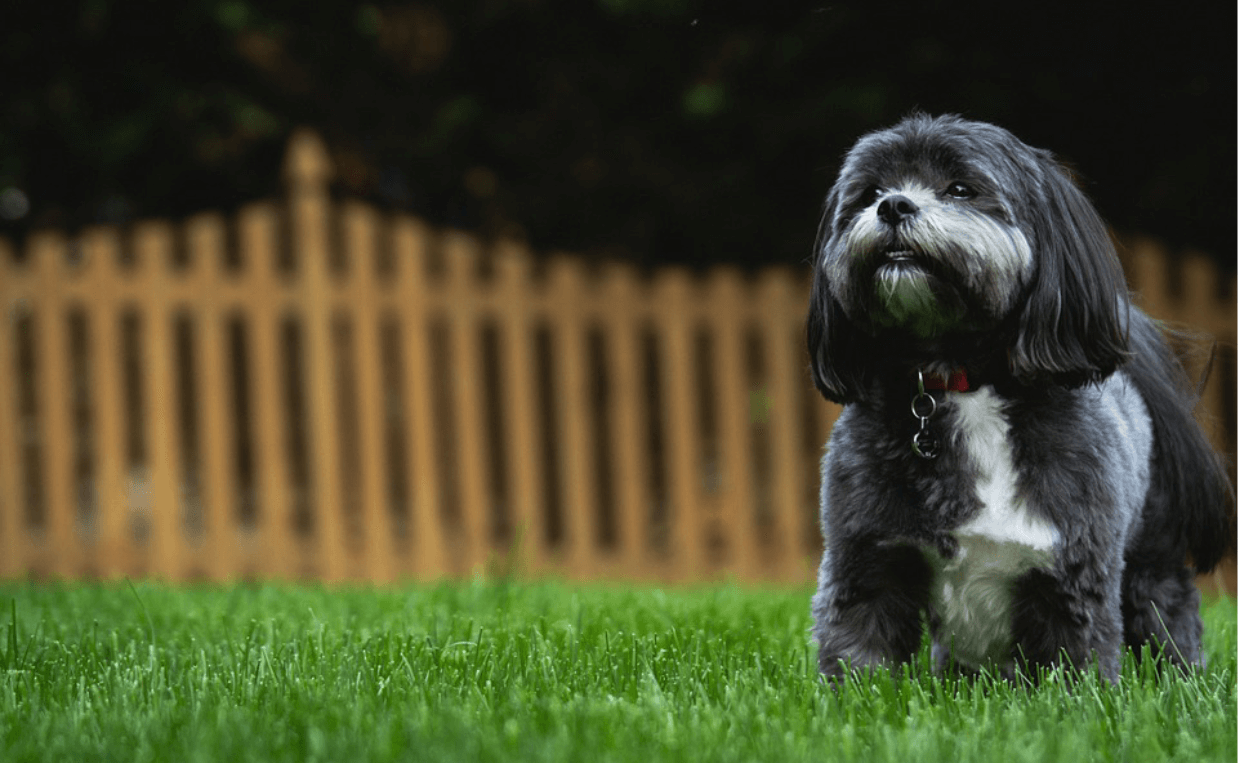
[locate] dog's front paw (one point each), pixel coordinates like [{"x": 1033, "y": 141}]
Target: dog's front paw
[{"x": 838, "y": 666}]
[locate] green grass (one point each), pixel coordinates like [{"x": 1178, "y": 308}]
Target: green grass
[{"x": 477, "y": 672}]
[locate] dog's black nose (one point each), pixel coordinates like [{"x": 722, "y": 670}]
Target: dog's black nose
[{"x": 895, "y": 209}]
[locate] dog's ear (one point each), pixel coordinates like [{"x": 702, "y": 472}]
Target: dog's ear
[
  {"x": 830, "y": 340},
  {"x": 836, "y": 360},
  {"x": 1072, "y": 328}
]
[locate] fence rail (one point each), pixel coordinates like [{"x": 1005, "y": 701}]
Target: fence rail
[{"x": 313, "y": 389}]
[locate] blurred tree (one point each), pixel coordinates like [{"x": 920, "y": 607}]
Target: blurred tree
[{"x": 659, "y": 130}]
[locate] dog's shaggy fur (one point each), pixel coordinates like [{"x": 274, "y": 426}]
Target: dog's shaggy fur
[{"x": 1070, "y": 498}]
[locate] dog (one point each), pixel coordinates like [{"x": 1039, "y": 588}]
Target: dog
[{"x": 1016, "y": 463}]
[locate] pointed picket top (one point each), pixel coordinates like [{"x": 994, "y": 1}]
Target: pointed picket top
[{"x": 307, "y": 164}]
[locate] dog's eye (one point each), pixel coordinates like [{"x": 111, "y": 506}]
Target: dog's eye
[
  {"x": 869, "y": 195},
  {"x": 960, "y": 191}
]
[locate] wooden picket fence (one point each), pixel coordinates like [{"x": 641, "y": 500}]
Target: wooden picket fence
[{"x": 316, "y": 390}]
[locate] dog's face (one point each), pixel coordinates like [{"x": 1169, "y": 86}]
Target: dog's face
[
  {"x": 924, "y": 237},
  {"x": 941, "y": 228}
]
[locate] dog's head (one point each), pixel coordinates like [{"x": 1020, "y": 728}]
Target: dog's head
[{"x": 947, "y": 233}]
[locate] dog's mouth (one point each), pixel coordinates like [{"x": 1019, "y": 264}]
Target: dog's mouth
[{"x": 901, "y": 258}]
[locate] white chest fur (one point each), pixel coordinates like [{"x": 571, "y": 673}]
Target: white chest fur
[{"x": 973, "y": 590}]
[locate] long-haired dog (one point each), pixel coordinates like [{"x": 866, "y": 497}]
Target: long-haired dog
[{"x": 1016, "y": 463}]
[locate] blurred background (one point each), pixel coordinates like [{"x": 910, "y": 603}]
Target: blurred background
[
  {"x": 283, "y": 291},
  {"x": 653, "y": 130}
]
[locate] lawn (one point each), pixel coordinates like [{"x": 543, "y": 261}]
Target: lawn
[{"x": 512, "y": 671}]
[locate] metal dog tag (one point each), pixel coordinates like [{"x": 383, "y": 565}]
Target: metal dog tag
[{"x": 924, "y": 443}]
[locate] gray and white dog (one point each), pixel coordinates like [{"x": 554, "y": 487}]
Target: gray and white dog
[{"x": 1016, "y": 463}]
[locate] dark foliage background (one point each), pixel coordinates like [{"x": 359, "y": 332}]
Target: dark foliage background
[{"x": 658, "y": 130}]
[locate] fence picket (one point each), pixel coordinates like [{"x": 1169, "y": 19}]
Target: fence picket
[
  {"x": 113, "y": 544},
  {"x": 13, "y": 531},
  {"x": 217, "y": 449},
  {"x": 683, "y": 458},
  {"x": 527, "y": 494},
  {"x": 626, "y": 416},
  {"x": 566, "y": 283},
  {"x": 725, "y": 299},
  {"x": 1149, "y": 277},
  {"x": 363, "y": 295},
  {"x": 61, "y": 552},
  {"x": 464, "y": 377},
  {"x": 205, "y": 244},
  {"x": 258, "y": 230},
  {"x": 410, "y": 242},
  {"x": 164, "y": 547},
  {"x": 785, "y": 378},
  {"x": 310, "y": 218},
  {"x": 1197, "y": 309}
]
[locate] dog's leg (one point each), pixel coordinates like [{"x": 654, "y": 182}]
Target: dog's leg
[
  {"x": 1073, "y": 616},
  {"x": 868, "y": 606},
  {"x": 944, "y": 661},
  {"x": 1160, "y": 608}
]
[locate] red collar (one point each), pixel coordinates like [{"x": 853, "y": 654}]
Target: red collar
[{"x": 956, "y": 382}]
